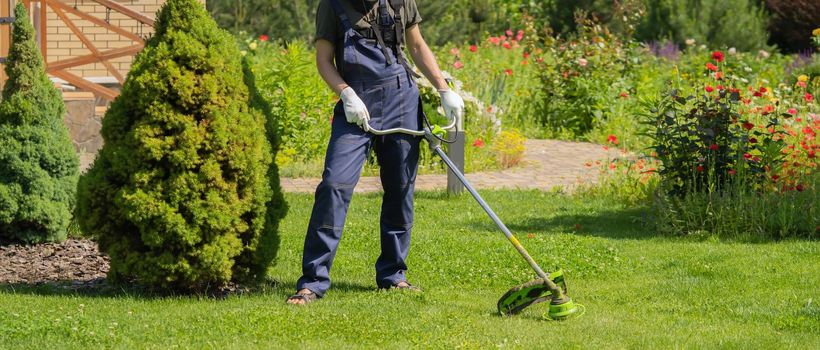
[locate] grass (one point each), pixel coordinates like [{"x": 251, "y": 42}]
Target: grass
[{"x": 641, "y": 291}]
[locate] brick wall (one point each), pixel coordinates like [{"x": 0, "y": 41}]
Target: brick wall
[{"x": 63, "y": 44}]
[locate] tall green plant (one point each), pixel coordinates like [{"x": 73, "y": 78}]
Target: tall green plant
[
  {"x": 179, "y": 196},
  {"x": 38, "y": 165}
]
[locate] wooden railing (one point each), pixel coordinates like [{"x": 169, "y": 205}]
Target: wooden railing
[
  {"x": 5, "y": 36},
  {"x": 60, "y": 68}
]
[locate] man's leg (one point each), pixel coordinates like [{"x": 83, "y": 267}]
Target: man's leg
[
  {"x": 346, "y": 154},
  {"x": 398, "y": 156}
]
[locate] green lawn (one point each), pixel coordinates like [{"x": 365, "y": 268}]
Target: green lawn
[{"x": 640, "y": 291}]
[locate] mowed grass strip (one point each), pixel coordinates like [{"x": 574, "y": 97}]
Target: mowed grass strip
[{"x": 640, "y": 291}]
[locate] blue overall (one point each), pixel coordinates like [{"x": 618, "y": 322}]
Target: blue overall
[{"x": 392, "y": 98}]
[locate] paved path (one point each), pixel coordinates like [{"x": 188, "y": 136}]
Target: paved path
[{"x": 547, "y": 164}]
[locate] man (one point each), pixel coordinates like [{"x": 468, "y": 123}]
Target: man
[{"x": 359, "y": 54}]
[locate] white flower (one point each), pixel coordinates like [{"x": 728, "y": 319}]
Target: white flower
[
  {"x": 690, "y": 42},
  {"x": 747, "y": 69},
  {"x": 582, "y": 62},
  {"x": 732, "y": 51},
  {"x": 702, "y": 47},
  {"x": 763, "y": 54},
  {"x": 252, "y": 45},
  {"x": 243, "y": 52}
]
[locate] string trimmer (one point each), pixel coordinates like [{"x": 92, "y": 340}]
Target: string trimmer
[{"x": 544, "y": 288}]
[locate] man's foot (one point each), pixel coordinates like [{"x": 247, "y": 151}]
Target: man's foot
[
  {"x": 302, "y": 297},
  {"x": 404, "y": 285}
]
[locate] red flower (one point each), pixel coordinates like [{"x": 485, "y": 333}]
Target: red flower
[
  {"x": 709, "y": 88},
  {"x": 792, "y": 111},
  {"x": 612, "y": 139},
  {"x": 718, "y": 75},
  {"x": 508, "y": 72},
  {"x": 757, "y": 94},
  {"x": 713, "y": 147},
  {"x": 478, "y": 143},
  {"x": 768, "y": 109},
  {"x": 732, "y": 171},
  {"x": 711, "y": 67},
  {"x": 801, "y": 84},
  {"x": 624, "y": 94},
  {"x": 808, "y": 97},
  {"x": 700, "y": 168},
  {"x": 812, "y": 154},
  {"x": 748, "y": 126},
  {"x": 799, "y": 188},
  {"x": 718, "y": 56},
  {"x": 526, "y": 55},
  {"x": 507, "y": 45},
  {"x": 752, "y": 140},
  {"x": 458, "y": 65},
  {"x": 473, "y": 48},
  {"x": 747, "y": 156},
  {"x": 775, "y": 177},
  {"x": 720, "y": 87},
  {"x": 263, "y": 37}
]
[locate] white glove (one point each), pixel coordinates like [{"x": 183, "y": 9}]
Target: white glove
[
  {"x": 452, "y": 103},
  {"x": 355, "y": 110}
]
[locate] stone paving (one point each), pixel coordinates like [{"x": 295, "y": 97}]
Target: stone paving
[{"x": 547, "y": 164}]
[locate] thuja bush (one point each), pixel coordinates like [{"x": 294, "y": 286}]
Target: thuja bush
[
  {"x": 38, "y": 166},
  {"x": 183, "y": 194}
]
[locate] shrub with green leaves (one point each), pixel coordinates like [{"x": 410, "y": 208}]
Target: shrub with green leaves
[
  {"x": 38, "y": 165},
  {"x": 183, "y": 194}
]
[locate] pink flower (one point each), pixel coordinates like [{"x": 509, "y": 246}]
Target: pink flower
[
  {"x": 454, "y": 51},
  {"x": 507, "y": 45},
  {"x": 458, "y": 65},
  {"x": 508, "y": 72},
  {"x": 801, "y": 84},
  {"x": 808, "y": 97},
  {"x": 792, "y": 111},
  {"x": 519, "y": 35},
  {"x": 494, "y": 40},
  {"x": 473, "y": 48},
  {"x": 509, "y": 33},
  {"x": 582, "y": 62}
]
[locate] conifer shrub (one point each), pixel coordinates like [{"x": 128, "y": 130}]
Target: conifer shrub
[
  {"x": 183, "y": 194},
  {"x": 38, "y": 165}
]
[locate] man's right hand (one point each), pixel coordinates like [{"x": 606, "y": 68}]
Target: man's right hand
[{"x": 355, "y": 110}]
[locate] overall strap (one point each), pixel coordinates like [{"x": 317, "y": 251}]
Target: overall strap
[
  {"x": 384, "y": 17},
  {"x": 340, "y": 11},
  {"x": 398, "y": 7}
]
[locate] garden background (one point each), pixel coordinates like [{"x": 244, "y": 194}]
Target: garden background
[{"x": 701, "y": 229}]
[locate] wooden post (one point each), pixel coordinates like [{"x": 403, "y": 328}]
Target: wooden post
[
  {"x": 5, "y": 39},
  {"x": 44, "y": 31}
]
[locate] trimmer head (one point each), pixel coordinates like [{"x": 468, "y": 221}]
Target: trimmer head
[{"x": 533, "y": 292}]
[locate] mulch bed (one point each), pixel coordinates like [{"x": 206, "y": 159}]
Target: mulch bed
[{"x": 75, "y": 262}]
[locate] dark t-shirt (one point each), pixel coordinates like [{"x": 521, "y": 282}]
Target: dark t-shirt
[{"x": 329, "y": 26}]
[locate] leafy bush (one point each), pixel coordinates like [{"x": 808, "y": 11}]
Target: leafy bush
[
  {"x": 586, "y": 80},
  {"x": 180, "y": 195},
  {"x": 38, "y": 165},
  {"x": 732, "y": 23},
  {"x": 726, "y": 146},
  {"x": 792, "y": 22}
]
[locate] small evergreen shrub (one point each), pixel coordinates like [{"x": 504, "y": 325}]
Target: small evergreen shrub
[
  {"x": 183, "y": 194},
  {"x": 38, "y": 165}
]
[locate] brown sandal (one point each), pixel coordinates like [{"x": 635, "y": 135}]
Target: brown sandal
[{"x": 308, "y": 297}]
